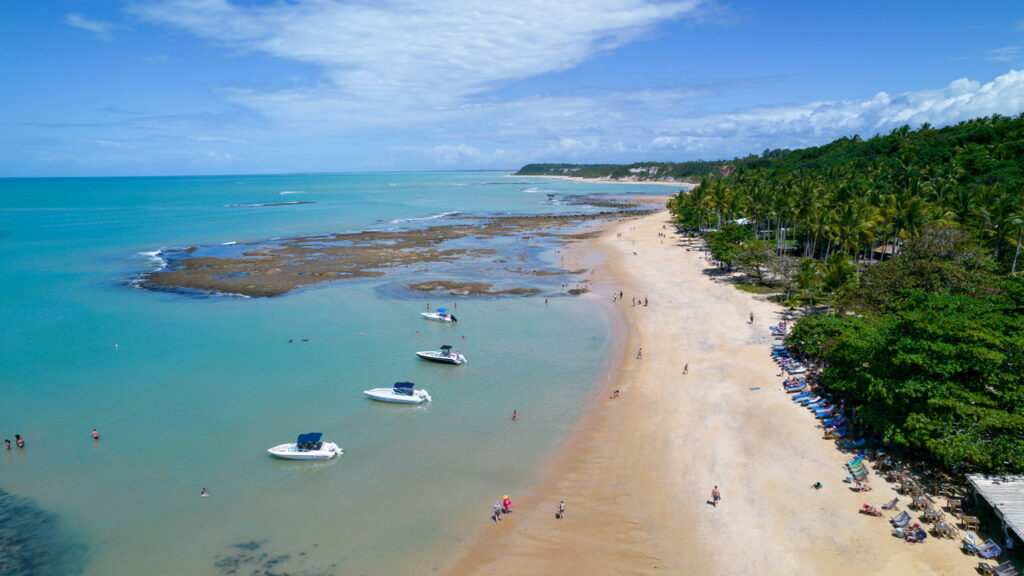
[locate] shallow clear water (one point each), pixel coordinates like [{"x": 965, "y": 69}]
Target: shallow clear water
[{"x": 188, "y": 392}]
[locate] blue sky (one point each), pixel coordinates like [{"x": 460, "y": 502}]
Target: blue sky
[{"x": 144, "y": 87}]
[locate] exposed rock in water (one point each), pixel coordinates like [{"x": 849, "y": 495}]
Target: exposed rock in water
[
  {"x": 456, "y": 288},
  {"x": 275, "y": 267},
  {"x": 32, "y": 542}
]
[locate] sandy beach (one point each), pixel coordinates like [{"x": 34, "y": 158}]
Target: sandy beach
[{"x": 638, "y": 472}]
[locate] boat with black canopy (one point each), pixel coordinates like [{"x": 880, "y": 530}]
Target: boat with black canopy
[{"x": 444, "y": 355}]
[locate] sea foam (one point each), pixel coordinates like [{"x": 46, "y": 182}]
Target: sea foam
[{"x": 432, "y": 217}]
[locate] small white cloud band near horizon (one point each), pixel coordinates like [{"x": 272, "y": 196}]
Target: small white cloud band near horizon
[{"x": 102, "y": 30}]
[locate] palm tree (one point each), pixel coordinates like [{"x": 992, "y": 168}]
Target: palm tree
[
  {"x": 808, "y": 279},
  {"x": 836, "y": 275}
]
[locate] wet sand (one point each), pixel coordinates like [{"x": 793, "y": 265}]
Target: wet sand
[{"x": 638, "y": 472}]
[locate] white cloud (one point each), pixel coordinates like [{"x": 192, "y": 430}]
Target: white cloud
[
  {"x": 102, "y": 30},
  {"x": 218, "y": 139},
  {"x": 574, "y": 129},
  {"x": 819, "y": 122},
  {"x": 1006, "y": 54},
  {"x": 417, "y": 80},
  {"x": 422, "y": 53}
]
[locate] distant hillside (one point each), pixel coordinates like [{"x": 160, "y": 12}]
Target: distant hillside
[{"x": 639, "y": 172}]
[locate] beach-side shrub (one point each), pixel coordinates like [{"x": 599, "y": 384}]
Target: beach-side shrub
[
  {"x": 938, "y": 373},
  {"x": 727, "y": 244}
]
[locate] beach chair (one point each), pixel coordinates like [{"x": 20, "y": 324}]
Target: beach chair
[
  {"x": 970, "y": 543},
  {"x": 1004, "y": 569},
  {"x": 893, "y": 505},
  {"x": 989, "y": 550},
  {"x": 900, "y": 521}
]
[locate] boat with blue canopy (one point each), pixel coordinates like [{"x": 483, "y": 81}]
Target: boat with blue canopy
[
  {"x": 400, "y": 393},
  {"x": 307, "y": 447},
  {"x": 440, "y": 315}
]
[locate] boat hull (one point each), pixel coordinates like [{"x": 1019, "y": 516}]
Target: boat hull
[
  {"x": 289, "y": 452},
  {"x": 437, "y": 317},
  {"x": 388, "y": 395},
  {"x": 437, "y": 357}
]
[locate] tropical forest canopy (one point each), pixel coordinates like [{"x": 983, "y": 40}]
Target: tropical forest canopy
[{"x": 913, "y": 240}]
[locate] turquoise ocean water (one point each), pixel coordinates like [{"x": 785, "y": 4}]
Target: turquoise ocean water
[{"x": 188, "y": 392}]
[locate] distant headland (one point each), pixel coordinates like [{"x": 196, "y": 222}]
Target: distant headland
[{"x": 686, "y": 173}]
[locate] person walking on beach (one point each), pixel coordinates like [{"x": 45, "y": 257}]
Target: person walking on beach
[
  {"x": 561, "y": 509},
  {"x": 497, "y": 511},
  {"x": 715, "y": 496},
  {"x": 751, "y": 318},
  {"x": 639, "y": 353},
  {"x": 95, "y": 434},
  {"x": 645, "y": 301},
  {"x": 686, "y": 368}
]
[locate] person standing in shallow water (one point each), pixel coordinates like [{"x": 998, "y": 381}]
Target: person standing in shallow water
[
  {"x": 95, "y": 434},
  {"x": 7, "y": 443},
  {"x": 19, "y": 440}
]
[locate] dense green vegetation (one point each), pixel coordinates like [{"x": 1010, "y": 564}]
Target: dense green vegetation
[
  {"x": 863, "y": 197},
  {"x": 934, "y": 366},
  {"x": 683, "y": 171},
  {"x": 913, "y": 240}
]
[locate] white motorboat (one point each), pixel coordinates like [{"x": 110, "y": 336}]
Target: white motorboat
[
  {"x": 401, "y": 393},
  {"x": 307, "y": 447},
  {"x": 441, "y": 315},
  {"x": 444, "y": 355}
]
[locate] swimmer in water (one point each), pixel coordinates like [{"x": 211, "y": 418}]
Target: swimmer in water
[{"x": 204, "y": 493}]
